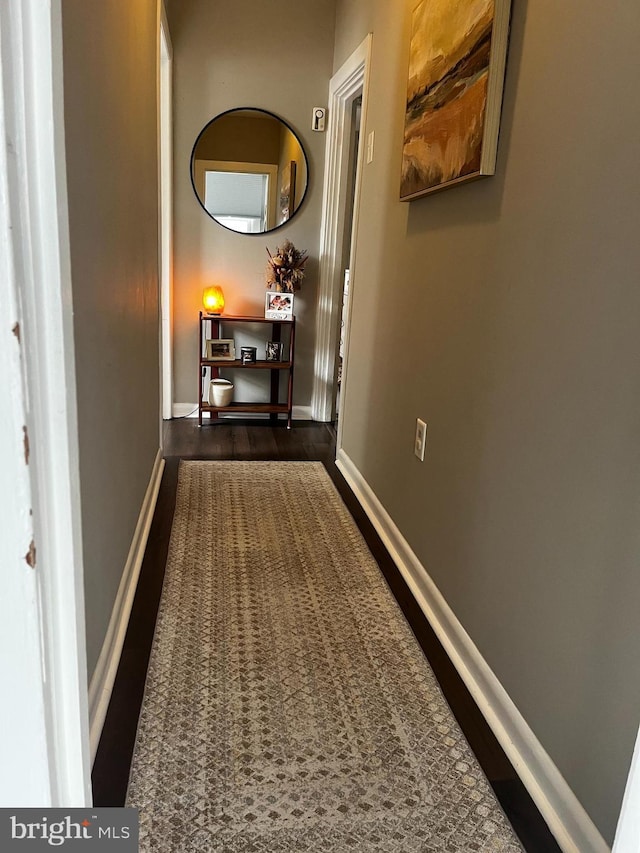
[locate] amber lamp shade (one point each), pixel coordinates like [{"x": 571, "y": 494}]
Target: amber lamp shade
[{"x": 213, "y": 299}]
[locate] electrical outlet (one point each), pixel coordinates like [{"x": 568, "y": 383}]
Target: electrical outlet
[{"x": 420, "y": 440}]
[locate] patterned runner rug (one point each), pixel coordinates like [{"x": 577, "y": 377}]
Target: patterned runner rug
[{"x": 288, "y": 706}]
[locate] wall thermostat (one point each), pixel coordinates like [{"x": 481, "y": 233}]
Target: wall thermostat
[{"x": 319, "y": 115}]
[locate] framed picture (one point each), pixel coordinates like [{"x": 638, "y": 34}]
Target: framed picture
[
  {"x": 221, "y": 349},
  {"x": 278, "y": 306},
  {"x": 454, "y": 94},
  {"x": 287, "y": 192},
  {"x": 274, "y": 350}
]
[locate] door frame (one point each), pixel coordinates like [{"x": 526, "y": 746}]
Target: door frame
[
  {"x": 627, "y": 839},
  {"x": 165, "y": 202},
  {"x": 45, "y": 726},
  {"x": 346, "y": 84}
]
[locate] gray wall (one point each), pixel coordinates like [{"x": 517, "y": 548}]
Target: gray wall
[
  {"x": 111, "y": 141},
  {"x": 513, "y": 305},
  {"x": 276, "y": 56}
]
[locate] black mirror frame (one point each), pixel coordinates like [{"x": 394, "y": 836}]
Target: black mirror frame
[{"x": 304, "y": 154}]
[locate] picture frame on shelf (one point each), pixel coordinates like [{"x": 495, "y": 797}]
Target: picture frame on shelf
[
  {"x": 274, "y": 351},
  {"x": 220, "y": 349},
  {"x": 278, "y": 306}
]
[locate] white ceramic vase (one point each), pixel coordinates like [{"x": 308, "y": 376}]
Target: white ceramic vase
[{"x": 220, "y": 392}]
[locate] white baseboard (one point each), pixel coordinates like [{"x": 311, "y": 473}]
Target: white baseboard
[
  {"x": 572, "y": 827},
  {"x": 185, "y": 410},
  {"x": 301, "y": 413},
  {"x": 105, "y": 672},
  {"x": 182, "y": 410}
]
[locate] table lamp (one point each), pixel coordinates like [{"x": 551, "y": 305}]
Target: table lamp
[{"x": 213, "y": 299}]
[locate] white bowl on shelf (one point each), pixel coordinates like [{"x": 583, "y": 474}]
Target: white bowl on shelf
[{"x": 220, "y": 392}]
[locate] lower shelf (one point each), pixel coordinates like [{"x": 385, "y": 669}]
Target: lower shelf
[{"x": 266, "y": 408}]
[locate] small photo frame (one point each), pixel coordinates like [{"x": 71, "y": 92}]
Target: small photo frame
[
  {"x": 273, "y": 350},
  {"x": 221, "y": 349},
  {"x": 278, "y": 306}
]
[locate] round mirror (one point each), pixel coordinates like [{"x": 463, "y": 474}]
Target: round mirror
[{"x": 249, "y": 170}]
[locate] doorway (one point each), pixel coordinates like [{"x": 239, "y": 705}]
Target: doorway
[
  {"x": 352, "y": 174},
  {"x": 340, "y": 205}
]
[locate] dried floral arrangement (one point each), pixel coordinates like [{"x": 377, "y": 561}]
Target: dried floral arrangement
[{"x": 285, "y": 268}]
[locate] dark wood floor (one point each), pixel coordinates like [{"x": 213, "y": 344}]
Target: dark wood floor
[{"x": 249, "y": 440}]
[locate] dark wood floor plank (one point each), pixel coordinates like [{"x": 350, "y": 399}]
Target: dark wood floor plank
[{"x": 251, "y": 440}]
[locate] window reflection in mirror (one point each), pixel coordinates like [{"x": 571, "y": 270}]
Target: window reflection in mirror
[{"x": 249, "y": 171}]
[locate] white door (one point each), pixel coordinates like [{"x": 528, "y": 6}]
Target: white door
[{"x": 44, "y": 732}]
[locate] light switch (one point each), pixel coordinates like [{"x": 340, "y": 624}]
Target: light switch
[{"x": 370, "y": 147}]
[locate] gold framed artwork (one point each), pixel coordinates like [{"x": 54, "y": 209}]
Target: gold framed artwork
[{"x": 454, "y": 93}]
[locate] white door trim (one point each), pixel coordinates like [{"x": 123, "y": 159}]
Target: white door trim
[
  {"x": 165, "y": 160},
  {"x": 46, "y": 630},
  {"x": 346, "y": 83},
  {"x": 627, "y": 838}
]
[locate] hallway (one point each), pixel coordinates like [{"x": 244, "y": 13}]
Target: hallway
[
  {"x": 502, "y": 314},
  {"x": 305, "y": 442}
]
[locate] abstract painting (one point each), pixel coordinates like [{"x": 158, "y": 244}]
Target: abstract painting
[{"x": 454, "y": 93}]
